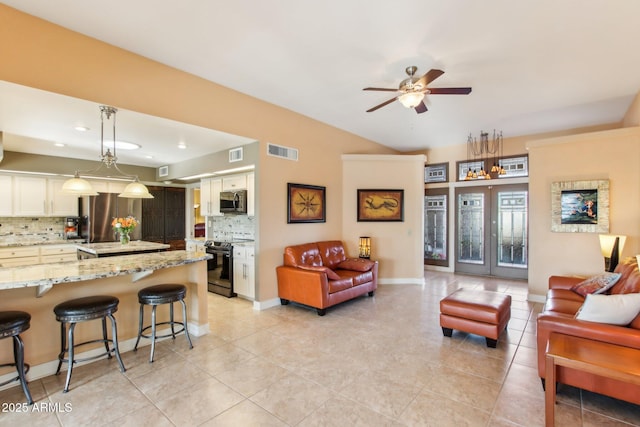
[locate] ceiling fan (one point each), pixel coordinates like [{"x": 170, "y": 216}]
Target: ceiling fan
[{"x": 413, "y": 90}]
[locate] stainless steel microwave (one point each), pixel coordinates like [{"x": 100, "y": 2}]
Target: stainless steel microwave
[{"x": 233, "y": 201}]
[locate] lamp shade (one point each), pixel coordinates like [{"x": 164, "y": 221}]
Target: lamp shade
[
  {"x": 611, "y": 247},
  {"x": 77, "y": 186},
  {"x": 364, "y": 247},
  {"x": 136, "y": 190},
  {"x": 411, "y": 99},
  {"x": 607, "y": 241}
]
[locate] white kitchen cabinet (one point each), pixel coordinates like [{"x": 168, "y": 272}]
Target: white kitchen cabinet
[
  {"x": 106, "y": 186},
  {"x": 38, "y": 196},
  {"x": 60, "y": 204},
  {"x": 195, "y": 245},
  {"x": 99, "y": 186},
  {"x": 251, "y": 203},
  {"x": 210, "y": 196},
  {"x": 37, "y": 254},
  {"x": 244, "y": 271},
  {"x": 58, "y": 253},
  {"x": 20, "y": 255},
  {"x": 6, "y": 195},
  {"x": 30, "y": 196},
  {"x": 234, "y": 182}
]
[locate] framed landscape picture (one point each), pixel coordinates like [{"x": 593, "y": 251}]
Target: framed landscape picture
[
  {"x": 380, "y": 205},
  {"x": 306, "y": 203}
]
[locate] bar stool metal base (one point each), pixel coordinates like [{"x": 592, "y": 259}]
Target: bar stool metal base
[
  {"x": 157, "y": 295},
  {"x": 81, "y": 310},
  {"x": 12, "y": 323}
]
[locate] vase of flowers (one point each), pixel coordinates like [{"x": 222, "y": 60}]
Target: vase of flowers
[{"x": 124, "y": 227}]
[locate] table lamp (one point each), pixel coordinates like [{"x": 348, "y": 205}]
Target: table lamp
[{"x": 611, "y": 246}]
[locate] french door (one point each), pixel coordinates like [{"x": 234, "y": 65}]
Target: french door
[{"x": 492, "y": 230}]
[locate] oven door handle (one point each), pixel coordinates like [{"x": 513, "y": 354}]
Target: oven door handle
[{"x": 219, "y": 252}]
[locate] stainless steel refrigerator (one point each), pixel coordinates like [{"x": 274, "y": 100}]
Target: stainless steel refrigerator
[{"x": 99, "y": 211}]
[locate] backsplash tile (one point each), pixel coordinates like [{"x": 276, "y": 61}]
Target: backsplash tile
[
  {"x": 30, "y": 228},
  {"x": 231, "y": 227}
]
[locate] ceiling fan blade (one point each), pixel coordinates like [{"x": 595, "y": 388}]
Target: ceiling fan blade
[
  {"x": 429, "y": 77},
  {"x": 421, "y": 108},
  {"x": 450, "y": 91},
  {"x": 382, "y": 105},
  {"x": 384, "y": 89}
]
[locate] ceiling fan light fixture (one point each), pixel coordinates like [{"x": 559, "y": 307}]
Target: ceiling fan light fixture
[{"x": 411, "y": 99}]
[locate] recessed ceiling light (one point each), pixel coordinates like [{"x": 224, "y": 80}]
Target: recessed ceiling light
[
  {"x": 81, "y": 128},
  {"x": 124, "y": 145},
  {"x": 149, "y": 157},
  {"x": 59, "y": 144},
  {"x": 182, "y": 145}
]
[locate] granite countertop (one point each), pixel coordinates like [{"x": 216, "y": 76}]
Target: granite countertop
[
  {"x": 8, "y": 242},
  {"x": 117, "y": 247},
  {"x": 245, "y": 243},
  {"x": 47, "y": 275}
]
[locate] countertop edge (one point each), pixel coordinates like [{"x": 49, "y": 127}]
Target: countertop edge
[{"x": 99, "y": 268}]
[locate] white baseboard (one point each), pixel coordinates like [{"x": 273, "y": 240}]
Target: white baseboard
[
  {"x": 263, "y": 305},
  {"x": 537, "y": 298},
  {"x": 406, "y": 281}
]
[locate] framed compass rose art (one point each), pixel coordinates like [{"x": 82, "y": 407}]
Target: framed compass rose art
[{"x": 306, "y": 203}]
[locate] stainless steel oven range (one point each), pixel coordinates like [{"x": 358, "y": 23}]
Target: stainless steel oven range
[{"x": 220, "y": 268}]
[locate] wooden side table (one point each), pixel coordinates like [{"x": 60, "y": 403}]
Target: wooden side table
[{"x": 594, "y": 357}]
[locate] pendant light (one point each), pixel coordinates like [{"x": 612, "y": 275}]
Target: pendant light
[{"x": 81, "y": 187}]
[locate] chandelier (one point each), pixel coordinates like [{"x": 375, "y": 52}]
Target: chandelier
[
  {"x": 484, "y": 151},
  {"x": 81, "y": 187}
]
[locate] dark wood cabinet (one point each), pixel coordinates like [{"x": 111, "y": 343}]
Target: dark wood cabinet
[{"x": 163, "y": 217}]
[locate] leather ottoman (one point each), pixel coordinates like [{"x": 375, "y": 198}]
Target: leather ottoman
[{"x": 479, "y": 312}]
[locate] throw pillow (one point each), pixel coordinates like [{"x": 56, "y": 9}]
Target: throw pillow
[
  {"x": 618, "y": 309},
  {"x": 322, "y": 269},
  {"x": 356, "y": 264},
  {"x": 597, "y": 284}
]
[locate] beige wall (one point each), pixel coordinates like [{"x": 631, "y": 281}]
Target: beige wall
[
  {"x": 45, "y": 56},
  {"x": 397, "y": 245},
  {"x": 608, "y": 155}
]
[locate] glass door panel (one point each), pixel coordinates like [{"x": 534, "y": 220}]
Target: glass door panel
[
  {"x": 512, "y": 229},
  {"x": 472, "y": 230},
  {"x": 435, "y": 230},
  {"x": 492, "y": 230}
]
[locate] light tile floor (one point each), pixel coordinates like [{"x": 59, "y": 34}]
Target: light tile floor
[{"x": 380, "y": 361}]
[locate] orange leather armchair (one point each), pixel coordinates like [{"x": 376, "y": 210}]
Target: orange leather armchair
[{"x": 320, "y": 275}]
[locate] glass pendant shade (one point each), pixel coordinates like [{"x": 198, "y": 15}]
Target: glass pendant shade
[
  {"x": 78, "y": 187},
  {"x": 136, "y": 190},
  {"x": 411, "y": 99}
]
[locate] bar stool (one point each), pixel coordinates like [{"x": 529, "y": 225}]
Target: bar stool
[
  {"x": 154, "y": 296},
  {"x": 12, "y": 324},
  {"x": 81, "y": 310}
]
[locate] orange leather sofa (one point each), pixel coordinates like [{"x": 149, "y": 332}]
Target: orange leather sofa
[
  {"x": 558, "y": 316},
  {"x": 320, "y": 275}
]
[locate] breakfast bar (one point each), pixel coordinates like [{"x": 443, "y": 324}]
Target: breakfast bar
[{"x": 36, "y": 289}]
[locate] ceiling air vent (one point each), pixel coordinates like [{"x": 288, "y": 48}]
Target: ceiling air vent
[
  {"x": 282, "y": 152},
  {"x": 163, "y": 171},
  {"x": 235, "y": 155}
]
